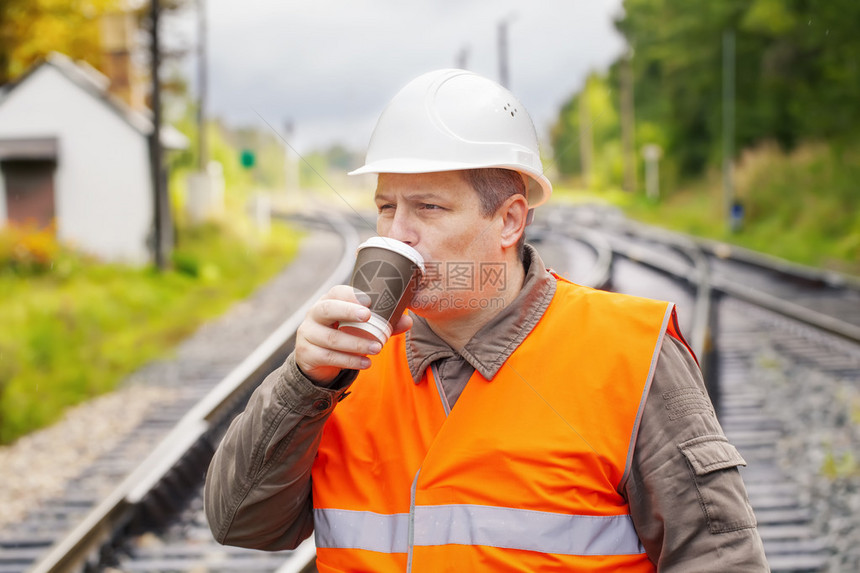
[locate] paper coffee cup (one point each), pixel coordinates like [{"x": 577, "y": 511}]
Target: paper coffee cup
[{"x": 387, "y": 271}]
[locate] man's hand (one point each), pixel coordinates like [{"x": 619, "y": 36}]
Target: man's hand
[{"x": 322, "y": 351}]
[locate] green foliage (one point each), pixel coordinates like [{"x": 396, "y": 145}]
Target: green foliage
[
  {"x": 797, "y": 122},
  {"x": 807, "y": 198},
  {"x": 66, "y": 338},
  {"x": 604, "y": 130},
  {"x": 801, "y": 206},
  {"x": 220, "y": 148},
  {"x": 676, "y": 62},
  {"x": 797, "y": 78},
  {"x": 228, "y": 147},
  {"x": 797, "y": 73}
]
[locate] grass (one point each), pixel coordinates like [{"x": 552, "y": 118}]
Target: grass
[
  {"x": 72, "y": 329},
  {"x": 802, "y": 206}
]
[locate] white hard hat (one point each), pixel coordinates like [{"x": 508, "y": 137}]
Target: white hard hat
[{"x": 449, "y": 120}]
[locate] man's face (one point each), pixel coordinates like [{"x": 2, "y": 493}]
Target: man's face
[{"x": 439, "y": 215}]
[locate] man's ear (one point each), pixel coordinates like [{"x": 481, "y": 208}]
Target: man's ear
[{"x": 514, "y": 213}]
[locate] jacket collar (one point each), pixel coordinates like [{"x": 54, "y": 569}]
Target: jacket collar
[{"x": 493, "y": 344}]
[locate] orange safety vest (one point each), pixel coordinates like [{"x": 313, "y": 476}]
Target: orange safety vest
[{"x": 525, "y": 471}]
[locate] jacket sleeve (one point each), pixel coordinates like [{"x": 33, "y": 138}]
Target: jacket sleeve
[
  {"x": 258, "y": 487},
  {"x": 687, "y": 499}
]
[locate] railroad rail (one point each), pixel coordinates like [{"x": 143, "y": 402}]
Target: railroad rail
[{"x": 727, "y": 308}]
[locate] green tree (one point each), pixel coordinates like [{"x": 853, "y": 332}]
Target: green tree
[
  {"x": 797, "y": 77},
  {"x": 797, "y": 71},
  {"x": 602, "y": 133}
]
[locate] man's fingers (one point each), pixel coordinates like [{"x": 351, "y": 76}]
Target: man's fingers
[
  {"x": 321, "y": 349},
  {"x": 349, "y": 294},
  {"x": 328, "y": 311},
  {"x": 338, "y": 341},
  {"x": 316, "y": 362}
]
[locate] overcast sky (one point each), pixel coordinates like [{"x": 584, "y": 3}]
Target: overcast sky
[{"x": 331, "y": 67}]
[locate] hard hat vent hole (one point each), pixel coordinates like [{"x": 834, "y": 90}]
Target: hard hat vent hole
[{"x": 512, "y": 110}]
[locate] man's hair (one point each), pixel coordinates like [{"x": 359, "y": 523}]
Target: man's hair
[{"x": 494, "y": 186}]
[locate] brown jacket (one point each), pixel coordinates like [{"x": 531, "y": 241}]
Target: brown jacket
[{"x": 689, "y": 518}]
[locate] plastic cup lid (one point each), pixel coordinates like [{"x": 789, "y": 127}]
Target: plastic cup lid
[{"x": 396, "y": 246}]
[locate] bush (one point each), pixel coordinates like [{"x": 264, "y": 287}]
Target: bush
[
  {"x": 801, "y": 206},
  {"x": 806, "y": 200},
  {"x": 28, "y": 250}
]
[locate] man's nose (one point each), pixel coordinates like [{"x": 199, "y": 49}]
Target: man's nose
[{"x": 402, "y": 228}]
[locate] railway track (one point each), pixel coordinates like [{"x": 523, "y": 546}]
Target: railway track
[{"x": 153, "y": 521}]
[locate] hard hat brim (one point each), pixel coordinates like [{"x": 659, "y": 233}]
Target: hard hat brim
[{"x": 539, "y": 187}]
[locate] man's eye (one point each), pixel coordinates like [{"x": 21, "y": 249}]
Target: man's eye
[
  {"x": 430, "y": 206},
  {"x": 385, "y": 207}
]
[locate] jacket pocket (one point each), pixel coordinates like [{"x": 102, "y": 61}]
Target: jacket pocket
[{"x": 714, "y": 462}]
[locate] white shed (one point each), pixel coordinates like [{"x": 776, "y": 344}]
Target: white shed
[{"x": 73, "y": 154}]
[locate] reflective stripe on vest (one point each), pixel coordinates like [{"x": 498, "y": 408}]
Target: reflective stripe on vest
[
  {"x": 347, "y": 529},
  {"x": 503, "y": 527}
]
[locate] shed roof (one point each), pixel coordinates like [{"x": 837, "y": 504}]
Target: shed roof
[{"x": 96, "y": 84}]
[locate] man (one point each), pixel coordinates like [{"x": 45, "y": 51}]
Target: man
[{"x": 521, "y": 422}]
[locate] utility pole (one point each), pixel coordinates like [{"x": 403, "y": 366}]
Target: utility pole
[
  {"x": 628, "y": 125},
  {"x": 652, "y": 154},
  {"x": 503, "y": 53},
  {"x": 156, "y": 152},
  {"x": 586, "y": 139},
  {"x": 728, "y": 122},
  {"x": 205, "y": 197},
  {"x": 292, "y": 182},
  {"x": 202, "y": 150},
  {"x": 504, "y": 76},
  {"x": 463, "y": 58}
]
